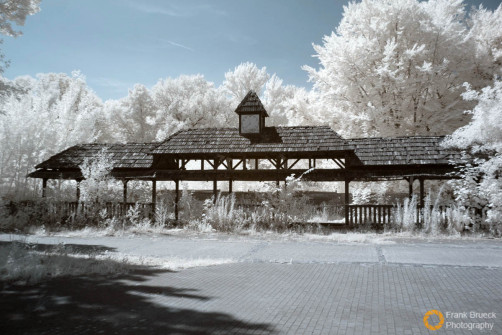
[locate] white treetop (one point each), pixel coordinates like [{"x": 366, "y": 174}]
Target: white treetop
[
  {"x": 189, "y": 102},
  {"x": 16, "y": 11},
  {"x": 130, "y": 118},
  {"x": 481, "y": 141},
  {"x": 49, "y": 114},
  {"x": 245, "y": 77},
  {"x": 397, "y": 68}
]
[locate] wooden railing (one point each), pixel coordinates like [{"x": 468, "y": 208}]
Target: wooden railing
[
  {"x": 109, "y": 209},
  {"x": 369, "y": 214}
]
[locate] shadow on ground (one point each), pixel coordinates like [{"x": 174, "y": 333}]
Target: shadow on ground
[
  {"x": 119, "y": 304},
  {"x": 62, "y": 248}
]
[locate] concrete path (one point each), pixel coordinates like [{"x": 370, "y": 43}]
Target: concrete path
[{"x": 275, "y": 286}]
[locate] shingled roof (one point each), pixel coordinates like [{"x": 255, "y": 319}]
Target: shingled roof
[
  {"x": 402, "y": 150},
  {"x": 272, "y": 140},
  {"x": 251, "y": 104},
  {"x": 130, "y": 155}
]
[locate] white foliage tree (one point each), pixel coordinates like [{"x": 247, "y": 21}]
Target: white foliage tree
[
  {"x": 486, "y": 30},
  {"x": 481, "y": 142},
  {"x": 245, "y": 77},
  {"x": 189, "y": 102},
  {"x": 397, "y": 68},
  {"x": 96, "y": 173},
  {"x": 286, "y": 104},
  {"x": 131, "y": 118},
  {"x": 49, "y": 113},
  {"x": 13, "y": 12}
]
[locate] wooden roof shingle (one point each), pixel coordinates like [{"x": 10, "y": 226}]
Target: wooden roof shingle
[
  {"x": 273, "y": 139},
  {"x": 130, "y": 155},
  {"x": 410, "y": 150}
]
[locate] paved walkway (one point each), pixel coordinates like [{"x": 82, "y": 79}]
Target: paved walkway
[{"x": 275, "y": 287}]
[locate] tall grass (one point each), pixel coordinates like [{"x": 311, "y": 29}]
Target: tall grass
[{"x": 432, "y": 219}]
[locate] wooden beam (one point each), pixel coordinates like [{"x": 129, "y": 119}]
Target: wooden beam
[
  {"x": 239, "y": 163},
  {"x": 275, "y": 162},
  {"x": 184, "y": 163},
  {"x": 339, "y": 163},
  {"x": 230, "y": 186},
  {"x": 294, "y": 163},
  {"x": 212, "y": 165}
]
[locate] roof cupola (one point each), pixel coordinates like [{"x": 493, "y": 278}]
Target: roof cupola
[{"x": 252, "y": 115}]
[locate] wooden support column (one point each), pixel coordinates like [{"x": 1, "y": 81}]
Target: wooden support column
[
  {"x": 176, "y": 199},
  {"x": 44, "y": 187},
  {"x": 422, "y": 196},
  {"x": 215, "y": 181},
  {"x": 125, "y": 181},
  {"x": 78, "y": 190},
  {"x": 410, "y": 187},
  {"x": 154, "y": 198},
  {"x": 230, "y": 186},
  {"x": 347, "y": 200}
]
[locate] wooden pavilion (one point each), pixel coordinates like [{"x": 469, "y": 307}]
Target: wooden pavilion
[{"x": 255, "y": 152}]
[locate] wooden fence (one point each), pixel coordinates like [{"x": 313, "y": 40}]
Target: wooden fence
[
  {"x": 109, "y": 209},
  {"x": 376, "y": 216},
  {"x": 369, "y": 214}
]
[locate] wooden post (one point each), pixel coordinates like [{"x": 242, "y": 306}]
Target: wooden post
[
  {"x": 154, "y": 198},
  {"x": 176, "y": 199},
  {"x": 347, "y": 200},
  {"x": 410, "y": 187},
  {"x": 215, "y": 190},
  {"x": 422, "y": 197},
  {"x": 230, "y": 186},
  {"x": 125, "y": 181},
  {"x": 78, "y": 190},
  {"x": 215, "y": 181},
  {"x": 44, "y": 187}
]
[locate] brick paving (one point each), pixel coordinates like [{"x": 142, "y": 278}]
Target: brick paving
[
  {"x": 339, "y": 298},
  {"x": 254, "y": 296}
]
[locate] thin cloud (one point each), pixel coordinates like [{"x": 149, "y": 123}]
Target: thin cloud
[
  {"x": 176, "y": 11},
  {"x": 179, "y": 45}
]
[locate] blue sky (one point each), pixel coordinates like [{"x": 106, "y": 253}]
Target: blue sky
[{"x": 117, "y": 43}]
